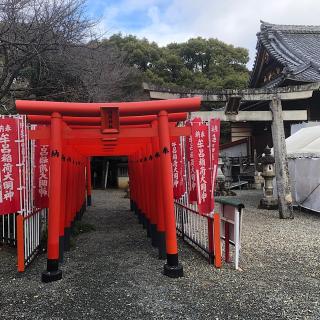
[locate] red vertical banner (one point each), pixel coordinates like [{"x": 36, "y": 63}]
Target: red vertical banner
[
  {"x": 201, "y": 152},
  {"x": 214, "y": 127},
  {"x": 177, "y": 167},
  {"x": 182, "y": 182},
  {"x": 9, "y": 161},
  {"x": 41, "y": 175},
  {"x": 191, "y": 173}
]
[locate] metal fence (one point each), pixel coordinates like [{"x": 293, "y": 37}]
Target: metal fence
[
  {"x": 193, "y": 228},
  {"x": 30, "y": 230},
  {"x": 8, "y": 229},
  {"x": 204, "y": 233},
  {"x": 31, "y": 221}
]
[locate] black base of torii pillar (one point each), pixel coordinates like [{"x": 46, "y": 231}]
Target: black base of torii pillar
[{"x": 53, "y": 273}]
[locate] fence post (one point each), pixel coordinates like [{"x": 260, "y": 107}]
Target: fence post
[
  {"x": 226, "y": 240},
  {"x": 217, "y": 245},
  {"x": 20, "y": 243},
  {"x": 210, "y": 240},
  {"x": 181, "y": 212},
  {"x": 237, "y": 237}
]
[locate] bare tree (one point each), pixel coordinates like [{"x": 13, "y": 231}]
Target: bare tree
[
  {"x": 31, "y": 29},
  {"x": 47, "y": 52},
  {"x": 106, "y": 75},
  {"x": 85, "y": 73}
]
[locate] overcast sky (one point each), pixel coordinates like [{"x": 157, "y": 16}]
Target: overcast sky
[{"x": 232, "y": 21}]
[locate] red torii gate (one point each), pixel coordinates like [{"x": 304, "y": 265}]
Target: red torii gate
[{"x": 139, "y": 130}]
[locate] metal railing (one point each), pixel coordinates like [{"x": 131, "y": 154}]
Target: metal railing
[
  {"x": 194, "y": 228},
  {"x": 31, "y": 222},
  {"x": 30, "y": 230},
  {"x": 201, "y": 232},
  {"x": 8, "y": 229}
]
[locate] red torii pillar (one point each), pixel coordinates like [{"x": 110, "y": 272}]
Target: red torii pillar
[
  {"x": 172, "y": 268},
  {"x": 69, "y": 191},
  {"x": 88, "y": 176},
  {"x": 161, "y": 228},
  {"x": 63, "y": 200},
  {"x": 160, "y": 223},
  {"x": 153, "y": 204},
  {"x": 53, "y": 272}
]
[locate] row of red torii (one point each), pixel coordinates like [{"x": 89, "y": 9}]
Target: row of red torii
[{"x": 138, "y": 130}]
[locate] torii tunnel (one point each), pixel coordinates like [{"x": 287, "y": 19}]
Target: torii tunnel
[{"x": 139, "y": 130}]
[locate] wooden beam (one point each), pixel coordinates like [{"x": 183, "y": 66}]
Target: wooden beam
[
  {"x": 284, "y": 93},
  {"x": 288, "y": 115},
  {"x": 95, "y": 133},
  {"x": 281, "y": 161}
]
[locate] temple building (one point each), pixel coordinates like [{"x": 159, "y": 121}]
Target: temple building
[{"x": 286, "y": 55}]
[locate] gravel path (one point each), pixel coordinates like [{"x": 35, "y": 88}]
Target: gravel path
[{"x": 114, "y": 273}]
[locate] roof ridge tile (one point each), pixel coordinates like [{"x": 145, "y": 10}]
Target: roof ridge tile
[
  {"x": 295, "y": 47},
  {"x": 289, "y": 27}
]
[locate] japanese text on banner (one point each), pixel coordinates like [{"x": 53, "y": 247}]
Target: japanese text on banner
[
  {"x": 214, "y": 127},
  {"x": 177, "y": 167},
  {"x": 9, "y": 171},
  {"x": 200, "y": 139},
  {"x": 192, "y": 183},
  {"x": 41, "y": 175}
]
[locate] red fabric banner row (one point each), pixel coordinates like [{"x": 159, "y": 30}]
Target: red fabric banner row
[
  {"x": 195, "y": 163},
  {"x": 9, "y": 166},
  {"x": 14, "y": 164}
]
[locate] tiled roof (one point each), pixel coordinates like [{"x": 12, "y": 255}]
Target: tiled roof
[{"x": 297, "y": 48}]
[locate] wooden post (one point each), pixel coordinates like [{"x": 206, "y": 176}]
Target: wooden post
[
  {"x": 281, "y": 161},
  {"x": 217, "y": 240},
  {"x": 20, "y": 243}
]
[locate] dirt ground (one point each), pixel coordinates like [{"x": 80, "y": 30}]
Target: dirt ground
[{"x": 114, "y": 273}]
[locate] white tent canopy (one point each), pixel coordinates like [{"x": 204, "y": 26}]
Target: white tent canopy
[
  {"x": 304, "y": 143},
  {"x": 303, "y": 149}
]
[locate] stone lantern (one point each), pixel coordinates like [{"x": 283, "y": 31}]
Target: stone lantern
[
  {"x": 268, "y": 173},
  {"x": 223, "y": 182},
  {"x": 220, "y": 178},
  {"x": 227, "y": 171}
]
